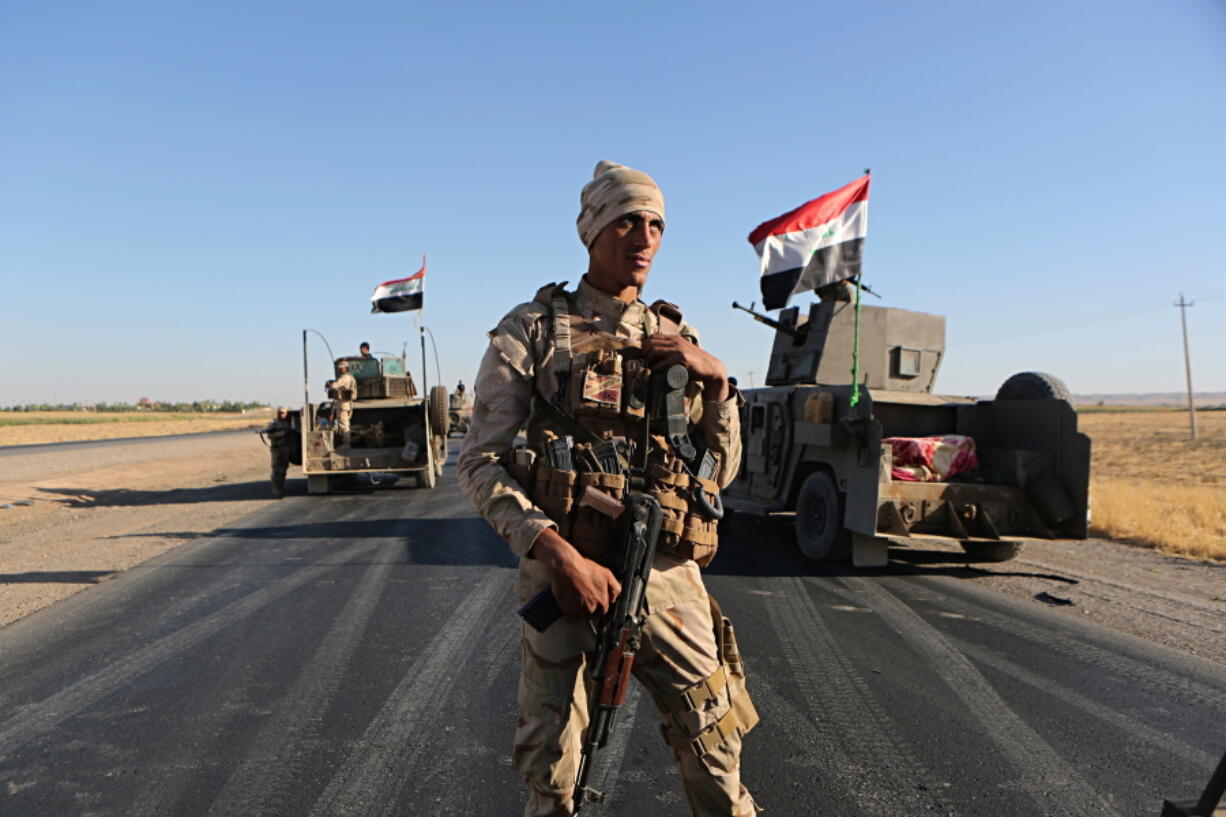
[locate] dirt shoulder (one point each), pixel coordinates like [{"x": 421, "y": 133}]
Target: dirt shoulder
[
  {"x": 94, "y": 515},
  {"x": 61, "y": 429}
]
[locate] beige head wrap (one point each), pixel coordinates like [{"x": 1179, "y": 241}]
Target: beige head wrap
[{"x": 614, "y": 191}]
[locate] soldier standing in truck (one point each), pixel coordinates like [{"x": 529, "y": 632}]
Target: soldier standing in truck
[{"x": 346, "y": 390}]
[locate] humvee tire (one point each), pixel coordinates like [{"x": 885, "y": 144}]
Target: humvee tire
[
  {"x": 1034, "y": 386},
  {"x": 319, "y": 483},
  {"x": 820, "y": 534},
  {"x": 992, "y": 551},
  {"x": 440, "y": 414},
  {"x": 440, "y": 458},
  {"x": 426, "y": 478}
]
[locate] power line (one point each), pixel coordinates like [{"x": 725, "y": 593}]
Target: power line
[{"x": 1073, "y": 321}]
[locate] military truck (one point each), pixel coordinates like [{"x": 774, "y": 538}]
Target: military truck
[
  {"x": 392, "y": 429},
  {"x": 814, "y": 454}
]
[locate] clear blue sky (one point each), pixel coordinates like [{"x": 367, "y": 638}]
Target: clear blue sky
[{"x": 185, "y": 186}]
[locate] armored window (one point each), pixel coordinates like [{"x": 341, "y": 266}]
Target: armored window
[{"x": 906, "y": 362}]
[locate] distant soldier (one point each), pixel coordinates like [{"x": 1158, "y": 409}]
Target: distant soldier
[
  {"x": 459, "y": 397},
  {"x": 364, "y": 351},
  {"x": 346, "y": 390},
  {"x": 279, "y": 436}
]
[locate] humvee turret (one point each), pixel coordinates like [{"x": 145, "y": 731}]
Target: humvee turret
[
  {"x": 812, "y": 452},
  {"x": 392, "y": 429}
]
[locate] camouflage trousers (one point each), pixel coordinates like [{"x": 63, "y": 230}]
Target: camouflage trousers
[
  {"x": 280, "y": 464},
  {"x": 343, "y": 412},
  {"x": 679, "y": 655}
]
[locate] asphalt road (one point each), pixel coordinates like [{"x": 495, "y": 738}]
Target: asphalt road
[
  {"x": 122, "y": 442},
  {"x": 356, "y": 654}
]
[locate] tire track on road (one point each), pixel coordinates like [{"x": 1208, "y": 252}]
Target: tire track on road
[
  {"x": 372, "y": 778},
  {"x": 1127, "y": 725},
  {"x": 1164, "y": 682},
  {"x": 262, "y": 782},
  {"x": 1042, "y": 773},
  {"x": 843, "y": 716},
  {"x": 35, "y": 719}
]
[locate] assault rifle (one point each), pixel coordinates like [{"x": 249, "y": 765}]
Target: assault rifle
[{"x": 618, "y": 635}]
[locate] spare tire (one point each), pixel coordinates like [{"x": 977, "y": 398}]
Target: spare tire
[
  {"x": 1034, "y": 386},
  {"x": 440, "y": 416}
]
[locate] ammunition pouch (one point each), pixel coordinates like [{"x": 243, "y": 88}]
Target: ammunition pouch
[
  {"x": 593, "y": 533},
  {"x": 554, "y": 493},
  {"x": 685, "y": 532}
]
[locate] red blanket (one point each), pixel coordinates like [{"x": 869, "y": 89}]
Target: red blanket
[{"x": 932, "y": 459}]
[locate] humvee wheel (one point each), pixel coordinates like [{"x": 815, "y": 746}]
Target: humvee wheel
[
  {"x": 992, "y": 551},
  {"x": 440, "y": 415},
  {"x": 1033, "y": 386},
  {"x": 819, "y": 519},
  {"x": 318, "y": 483},
  {"x": 426, "y": 478},
  {"x": 440, "y": 456}
]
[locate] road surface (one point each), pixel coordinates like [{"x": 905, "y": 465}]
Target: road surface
[{"x": 357, "y": 654}]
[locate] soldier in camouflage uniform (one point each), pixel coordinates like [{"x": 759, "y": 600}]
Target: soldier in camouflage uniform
[
  {"x": 346, "y": 389},
  {"x": 279, "y": 434},
  {"x": 688, "y": 661}
]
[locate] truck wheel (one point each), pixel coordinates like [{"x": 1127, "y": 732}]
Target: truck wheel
[
  {"x": 440, "y": 415},
  {"x": 819, "y": 519},
  {"x": 1033, "y": 386},
  {"x": 992, "y": 551},
  {"x": 426, "y": 478},
  {"x": 318, "y": 484}
]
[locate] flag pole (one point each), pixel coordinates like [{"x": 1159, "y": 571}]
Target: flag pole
[
  {"x": 421, "y": 331},
  {"x": 855, "y": 347}
]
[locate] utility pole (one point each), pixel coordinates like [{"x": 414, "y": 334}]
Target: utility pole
[
  {"x": 1187, "y": 363},
  {"x": 751, "y": 378}
]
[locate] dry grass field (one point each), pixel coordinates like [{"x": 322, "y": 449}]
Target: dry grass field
[
  {"x": 32, "y": 427},
  {"x": 1152, "y": 485}
]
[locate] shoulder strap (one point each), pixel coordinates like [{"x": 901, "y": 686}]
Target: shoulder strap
[{"x": 668, "y": 317}]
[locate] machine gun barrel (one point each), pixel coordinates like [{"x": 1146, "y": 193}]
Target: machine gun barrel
[{"x": 771, "y": 322}]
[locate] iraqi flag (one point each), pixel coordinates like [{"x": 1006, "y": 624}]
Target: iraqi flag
[
  {"x": 816, "y": 244},
  {"x": 400, "y": 295}
]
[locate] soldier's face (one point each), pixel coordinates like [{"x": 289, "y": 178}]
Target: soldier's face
[{"x": 622, "y": 255}]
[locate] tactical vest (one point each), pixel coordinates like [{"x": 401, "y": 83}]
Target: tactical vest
[{"x": 603, "y": 394}]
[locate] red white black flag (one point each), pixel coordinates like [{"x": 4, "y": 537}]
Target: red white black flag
[
  {"x": 401, "y": 295},
  {"x": 816, "y": 244}
]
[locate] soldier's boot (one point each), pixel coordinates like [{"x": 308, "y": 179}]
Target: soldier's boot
[{"x": 278, "y": 489}]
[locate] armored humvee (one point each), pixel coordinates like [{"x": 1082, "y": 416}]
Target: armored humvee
[
  {"x": 812, "y": 453},
  {"x": 392, "y": 429}
]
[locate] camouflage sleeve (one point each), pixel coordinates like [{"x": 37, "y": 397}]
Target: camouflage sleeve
[
  {"x": 721, "y": 427},
  {"x": 503, "y": 399},
  {"x": 720, "y": 422}
]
